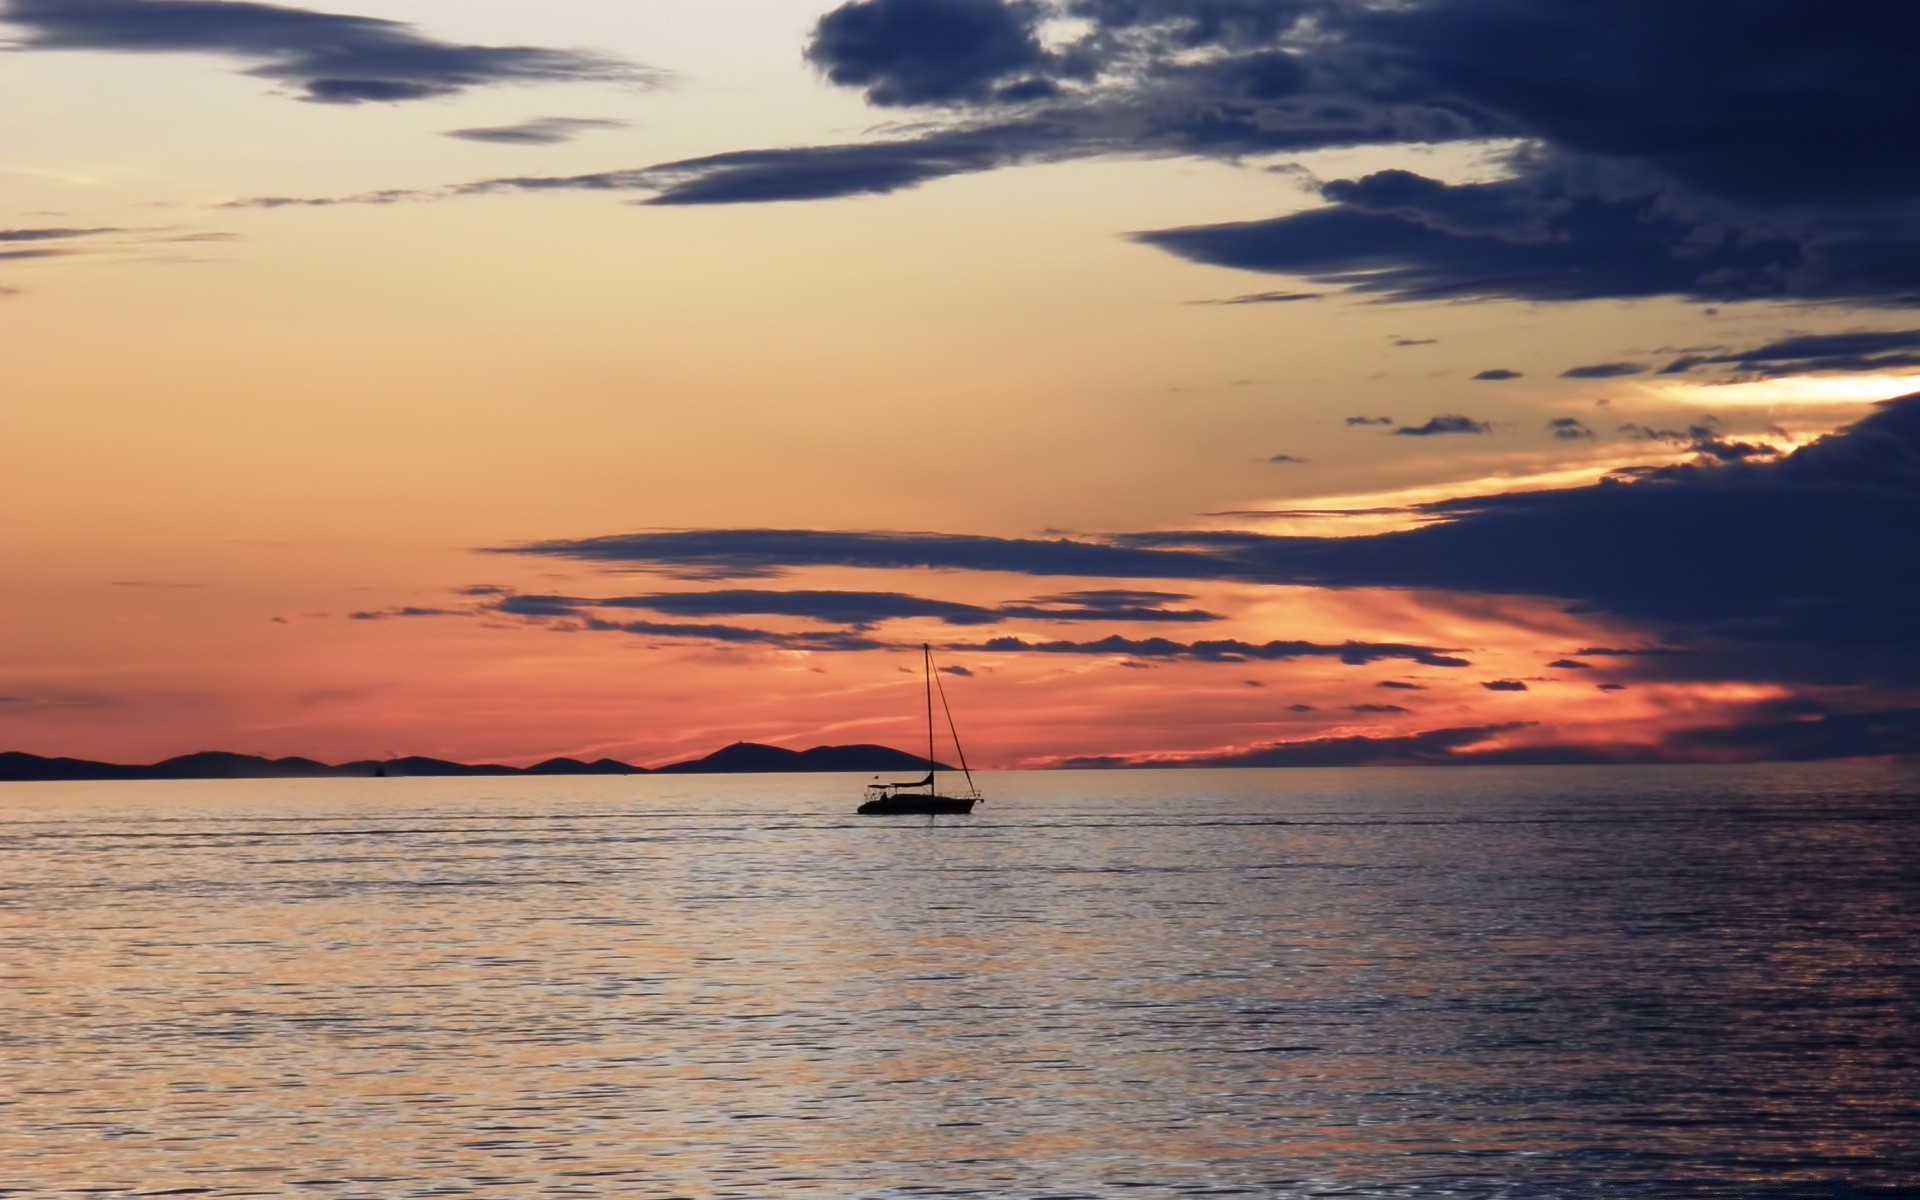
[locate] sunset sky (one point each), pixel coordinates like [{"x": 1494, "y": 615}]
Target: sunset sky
[{"x": 1243, "y": 381}]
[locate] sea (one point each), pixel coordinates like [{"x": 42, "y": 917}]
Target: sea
[{"x": 1450, "y": 982}]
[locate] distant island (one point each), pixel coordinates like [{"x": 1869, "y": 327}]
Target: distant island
[{"x": 741, "y": 758}]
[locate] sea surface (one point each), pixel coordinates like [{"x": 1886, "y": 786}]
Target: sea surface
[{"x": 1457, "y": 982}]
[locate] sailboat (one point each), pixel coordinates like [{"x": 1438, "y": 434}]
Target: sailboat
[{"x": 907, "y": 799}]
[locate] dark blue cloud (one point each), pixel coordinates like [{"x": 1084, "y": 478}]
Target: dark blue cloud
[
  {"x": 1867, "y": 350},
  {"x": 1263, "y": 298},
  {"x": 1497, "y": 375},
  {"x": 1369, "y": 421},
  {"x": 933, "y": 51},
  {"x": 332, "y": 58},
  {"x": 864, "y": 610},
  {"x": 1451, "y": 423},
  {"x": 410, "y": 610},
  {"x": 1224, "y": 650},
  {"x": 1569, "y": 429},
  {"x": 1431, "y": 747},
  {"x": 1804, "y": 567},
  {"x": 1377, "y": 708},
  {"x": 539, "y": 131},
  {"x": 760, "y": 553},
  {"x": 1717, "y": 150},
  {"x": 1558, "y": 245},
  {"x": 1504, "y": 685},
  {"x": 1606, "y": 370}
]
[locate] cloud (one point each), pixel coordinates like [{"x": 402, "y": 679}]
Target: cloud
[
  {"x": 1717, "y": 150},
  {"x": 411, "y": 610},
  {"x": 1264, "y": 298},
  {"x": 1377, "y": 708},
  {"x": 1553, "y": 248},
  {"x": 1497, "y": 374},
  {"x": 538, "y": 131},
  {"x": 1286, "y": 458},
  {"x": 1606, "y": 370},
  {"x": 1504, "y": 685},
  {"x": 1400, "y": 685},
  {"x": 1769, "y": 733},
  {"x": 962, "y": 672},
  {"x": 1570, "y": 664},
  {"x": 330, "y": 58},
  {"x": 760, "y": 553},
  {"x": 1802, "y": 567},
  {"x": 1225, "y": 650},
  {"x": 1432, "y": 746},
  {"x": 1452, "y": 423},
  {"x": 54, "y": 234},
  {"x": 1404, "y": 342},
  {"x": 933, "y": 51},
  {"x": 1369, "y": 421},
  {"x": 1569, "y": 429},
  {"x": 1872, "y": 350},
  {"x": 864, "y": 610}
]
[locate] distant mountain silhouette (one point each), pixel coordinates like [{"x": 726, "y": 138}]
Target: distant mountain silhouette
[
  {"x": 753, "y": 758},
  {"x": 739, "y": 758}
]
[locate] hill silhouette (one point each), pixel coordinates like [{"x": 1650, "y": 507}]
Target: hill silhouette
[{"x": 739, "y": 758}]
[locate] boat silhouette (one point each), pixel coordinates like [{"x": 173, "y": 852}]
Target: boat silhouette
[{"x": 906, "y": 799}]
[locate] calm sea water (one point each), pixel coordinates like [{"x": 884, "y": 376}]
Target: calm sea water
[{"x": 1419, "y": 983}]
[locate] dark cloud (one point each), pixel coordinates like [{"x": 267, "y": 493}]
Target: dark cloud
[
  {"x": 1225, "y": 650},
  {"x": 1504, "y": 685},
  {"x": 846, "y": 641},
  {"x": 1570, "y": 664},
  {"x": 1806, "y": 737},
  {"x": 1606, "y": 370},
  {"x": 1264, "y": 298},
  {"x": 864, "y": 610},
  {"x": 934, "y": 51},
  {"x": 962, "y": 672},
  {"x": 1875, "y": 350},
  {"x": 1716, "y": 150},
  {"x": 1369, "y": 421},
  {"x": 1433, "y": 746},
  {"x": 1377, "y": 708},
  {"x": 751, "y": 553},
  {"x": 331, "y": 58},
  {"x": 1769, "y": 734},
  {"x": 55, "y": 234},
  {"x": 1400, "y": 685},
  {"x": 1800, "y": 568},
  {"x": 1497, "y": 374},
  {"x": 1569, "y": 429},
  {"x": 1558, "y": 247},
  {"x": 539, "y": 131},
  {"x": 1403, "y": 342},
  {"x": 1286, "y": 458},
  {"x": 1451, "y": 423},
  {"x": 1611, "y": 687},
  {"x": 389, "y": 614},
  {"x": 806, "y": 173}
]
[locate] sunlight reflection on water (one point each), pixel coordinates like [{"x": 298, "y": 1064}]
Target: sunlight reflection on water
[{"x": 1459, "y": 982}]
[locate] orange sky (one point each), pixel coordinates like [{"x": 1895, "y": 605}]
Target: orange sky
[{"x": 228, "y": 429}]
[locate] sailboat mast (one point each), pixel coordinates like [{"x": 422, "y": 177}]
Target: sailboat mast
[{"x": 926, "y": 664}]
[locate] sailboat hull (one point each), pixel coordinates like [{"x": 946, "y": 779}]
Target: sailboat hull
[{"x": 917, "y": 806}]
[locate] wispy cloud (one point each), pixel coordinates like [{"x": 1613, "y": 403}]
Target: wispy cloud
[{"x": 330, "y": 58}]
